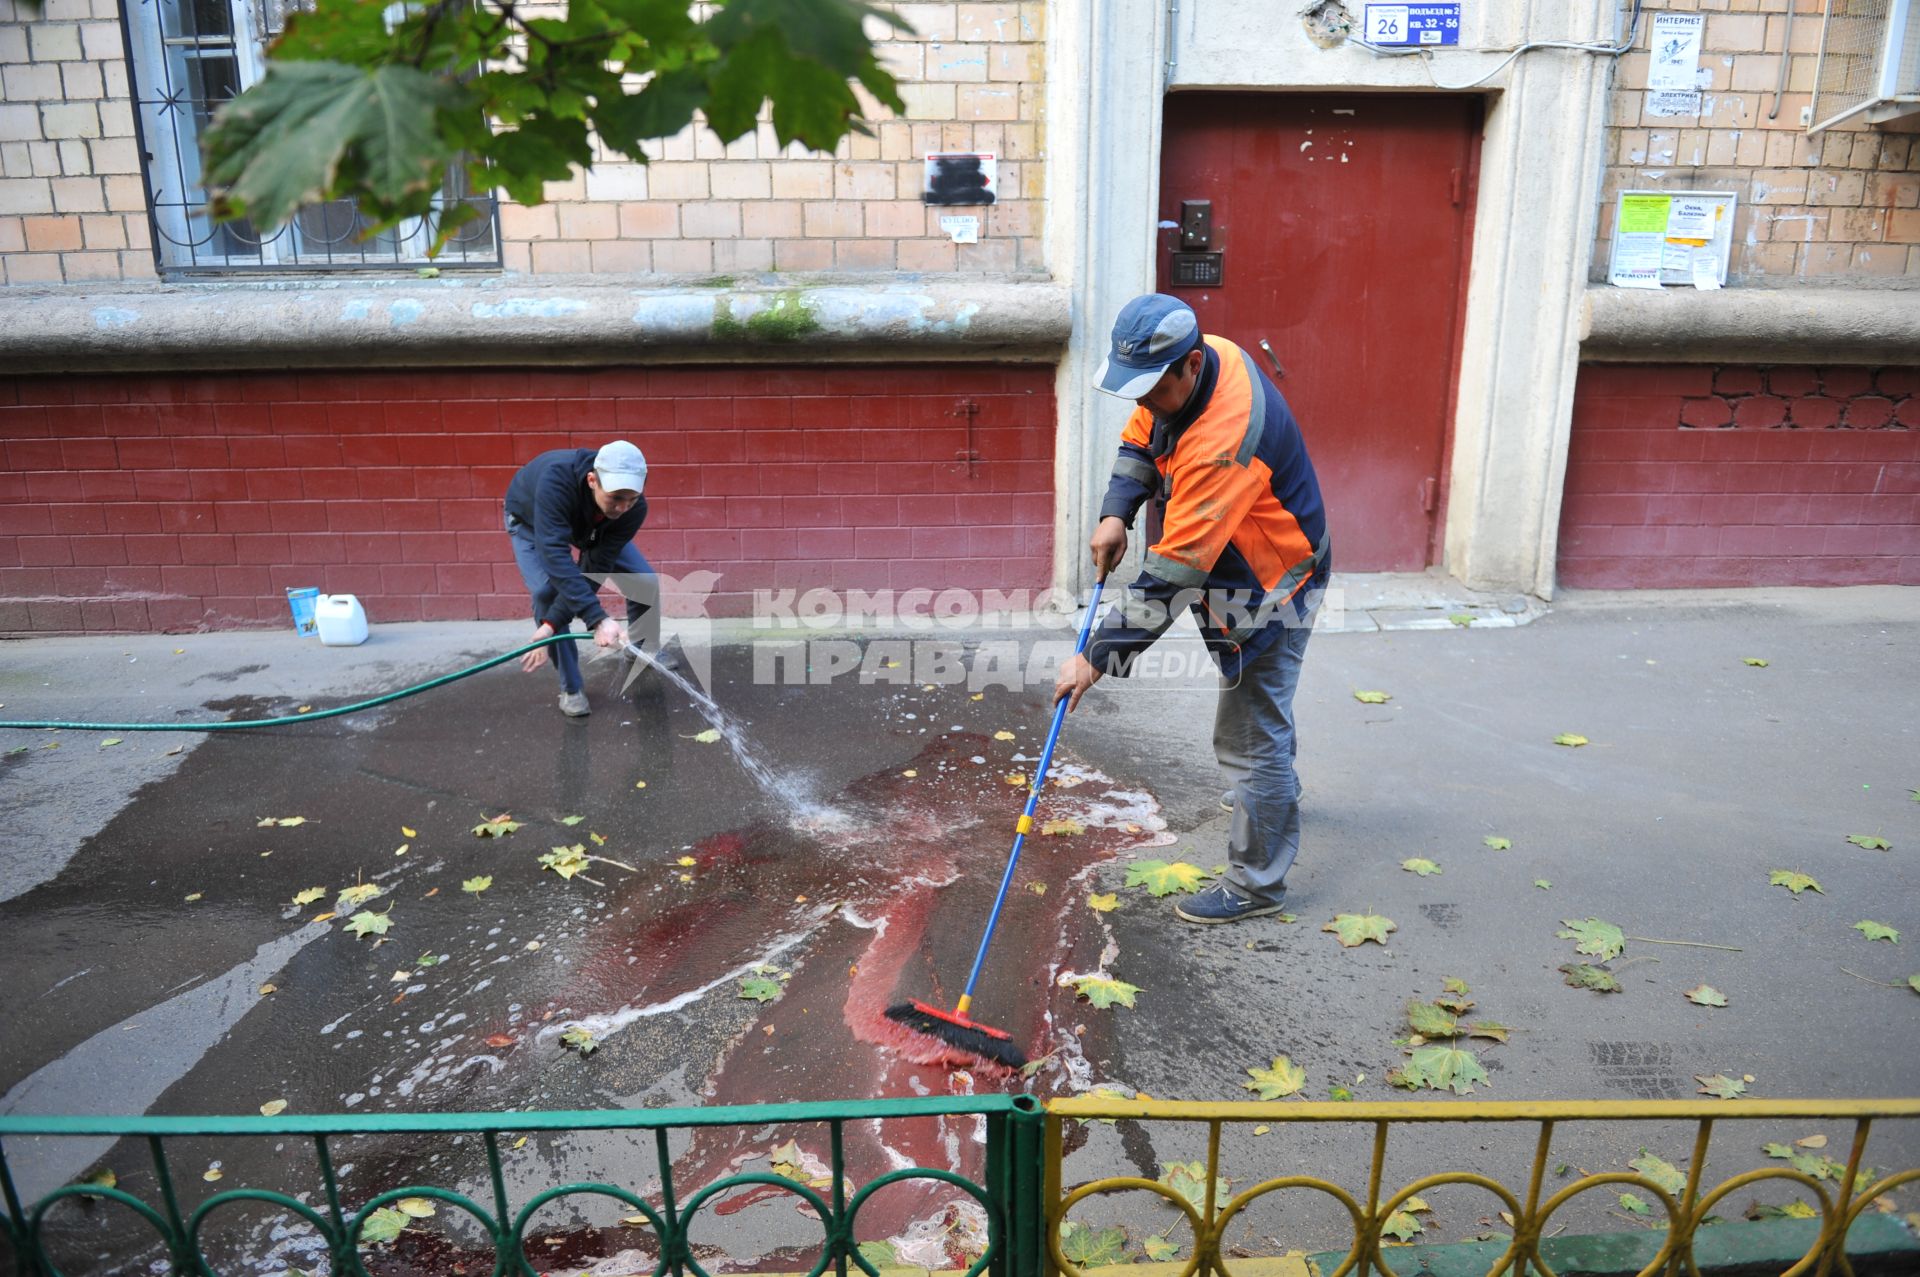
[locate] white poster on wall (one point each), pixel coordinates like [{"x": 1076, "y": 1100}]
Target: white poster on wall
[{"x": 1675, "y": 65}]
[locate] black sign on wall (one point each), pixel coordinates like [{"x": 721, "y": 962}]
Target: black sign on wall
[{"x": 960, "y": 179}]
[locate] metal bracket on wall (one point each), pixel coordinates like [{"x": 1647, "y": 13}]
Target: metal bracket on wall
[
  {"x": 1279, "y": 373},
  {"x": 970, "y": 409}
]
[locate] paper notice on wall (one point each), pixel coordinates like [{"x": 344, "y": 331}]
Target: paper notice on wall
[
  {"x": 1691, "y": 218},
  {"x": 1680, "y": 237},
  {"x": 1636, "y": 262},
  {"x": 1671, "y": 102},
  {"x": 1675, "y": 64},
  {"x": 1706, "y": 270}
]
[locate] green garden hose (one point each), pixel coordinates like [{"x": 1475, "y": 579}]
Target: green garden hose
[{"x": 283, "y": 721}]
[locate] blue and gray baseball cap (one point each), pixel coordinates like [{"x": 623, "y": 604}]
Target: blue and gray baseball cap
[{"x": 1151, "y": 333}]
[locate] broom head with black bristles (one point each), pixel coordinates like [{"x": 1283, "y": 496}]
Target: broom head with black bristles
[{"x": 957, "y": 1030}]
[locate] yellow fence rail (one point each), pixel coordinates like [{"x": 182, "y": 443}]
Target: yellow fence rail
[{"x": 1531, "y": 1206}]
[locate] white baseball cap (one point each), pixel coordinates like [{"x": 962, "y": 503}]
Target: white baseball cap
[{"x": 621, "y": 467}]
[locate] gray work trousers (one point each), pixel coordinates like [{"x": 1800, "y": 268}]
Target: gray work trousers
[{"x": 1253, "y": 739}]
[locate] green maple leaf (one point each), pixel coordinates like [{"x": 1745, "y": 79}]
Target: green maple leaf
[
  {"x": 1583, "y": 976},
  {"x": 365, "y": 924},
  {"x": 358, "y": 894},
  {"x": 1543, "y": 884},
  {"x": 1277, "y": 1081},
  {"x": 880, "y": 1254},
  {"x": 1634, "y": 1205},
  {"x": 1570, "y": 740},
  {"x": 580, "y": 1038},
  {"x": 1086, "y": 1247},
  {"x": 1448, "y": 1002},
  {"x": 1491, "y": 1030},
  {"x": 707, "y": 737},
  {"x": 310, "y": 895},
  {"x": 1720, "y": 1086},
  {"x": 1189, "y": 1179},
  {"x": 1461, "y": 619},
  {"x": 1877, "y": 931},
  {"x": 1158, "y": 1248},
  {"x": 1870, "y": 842},
  {"x": 1358, "y": 928},
  {"x": 499, "y": 827},
  {"x": 1104, "y": 991},
  {"x": 1420, "y": 865},
  {"x": 566, "y": 861},
  {"x": 1372, "y": 698},
  {"x": 1914, "y": 982},
  {"x": 102, "y": 1178},
  {"x": 1402, "y": 1226},
  {"x": 571, "y": 821},
  {"x": 1794, "y": 882},
  {"x": 1339, "y": 1094},
  {"x": 477, "y": 885},
  {"x": 1454, "y": 984},
  {"x": 1103, "y": 904},
  {"x": 307, "y": 128},
  {"x": 1599, "y": 939},
  {"x": 1445, "y": 1068},
  {"x": 1758, "y": 662},
  {"x": 1660, "y": 1171},
  {"x": 382, "y": 1227},
  {"x": 1429, "y": 1021},
  {"x": 1163, "y": 879},
  {"x": 1498, "y": 843},
  {"x": 759, "y": 988},
  {"x": 1707, "y": 996}
]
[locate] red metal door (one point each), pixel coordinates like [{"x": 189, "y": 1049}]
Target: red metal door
[{"x": 1344, "y": 224}]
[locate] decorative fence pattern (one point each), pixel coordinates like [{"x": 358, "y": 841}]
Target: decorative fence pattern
[
  {"x": 1531, "y": 1207},
  {"x": 1023, "y": 1196},
  {"x": 1010, "y": 1195}
]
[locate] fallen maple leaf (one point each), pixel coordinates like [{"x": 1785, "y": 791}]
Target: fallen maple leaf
[
  {"x": 1355, "y": 929},
  {"x": 1420, "y": 865},
  {"x": 1758, "y": 662},
  {"x": 707, "y": 737},
  {"x": 1707, "y": 996},
  {"x": 1877, "y": 931},
  {"x": 1720, "y": 1086},
  {"x": 1570, "y": 740},
  {"x": 1062, "y": 828},
  {"x": 358, "y": 894},
  {"x": 1003, "y": 735},
  {"x": 273, "y": 1108},
  {"x": 1870, "y": 841},
  {"x": 475, "y": 886},
  {"x": 1582, "y": 975},
  {"x": 407, "y": 833},
  {"x": 1430, "y": 1021},
  {"x": 308, "y": 896},
  {"x": 1163, "y": 879},
  {"x": 580, "y": 1039},
  {"x": 1015, "y": 778},
  {"x": 1104, "y": 991},
  {"x": 111, "y": 740},
  {"x": 382, "y": 1227},
  {"x": 366, "y": 923},
  {"x": 1794, "y": 882},
  {"x": 501, "y": 1039},
  {"x": 1498, "y": 843},
  {"x": 686, "y": 862},
  {"x": 1372, "y": 698},
  {"x": 759, "y": 988},
  {"x": 1444, "y": 1068},
  {"x": 415, "y": 1207},
  {"x": 1103, "y": 904},
  {"x": 1543, "y": 884},
  {"x": 1602, "y": 940},
  {"x": 566, "y": 861},
  {"x": 1277, "y": 1081},
  {"x": 571, "y": 821},
  {"x": 499, "y": 827}
]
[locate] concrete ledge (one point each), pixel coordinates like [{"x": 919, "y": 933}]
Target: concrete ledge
[
  {"x": 467, "y": 320},
  {"x": 1751, "y": 325},
  {"x": 1876, "y": 1244}
]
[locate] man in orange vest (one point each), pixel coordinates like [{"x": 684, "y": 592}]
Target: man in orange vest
[{"x": 1243, "y": 544}]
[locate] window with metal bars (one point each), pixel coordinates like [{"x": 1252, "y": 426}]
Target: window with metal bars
[{"x": 189, "y": 57}]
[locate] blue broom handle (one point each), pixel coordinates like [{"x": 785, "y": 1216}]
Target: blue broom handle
[{"x": 1033, "y": 798}]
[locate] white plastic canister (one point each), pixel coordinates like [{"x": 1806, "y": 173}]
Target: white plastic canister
[{"x": 341, "y": 620}]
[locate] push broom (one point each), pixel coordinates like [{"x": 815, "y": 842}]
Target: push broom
[{"x": 956, "y": 1028}]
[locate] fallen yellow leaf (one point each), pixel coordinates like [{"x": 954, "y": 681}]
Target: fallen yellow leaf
[
  {"x": 195, "y": 896},
  {"x": 1015, "y": 778},
  {"x": 269, "y": 988},
  {"x": 407, "y": 833},
  {"x": 401, "y": 850},
  {"x": 686, "y": 862},
  {"x": 324, "y": 917},
  {"x": 1003, "y": 735},
  {"x": 910, "y": 773},
  {"x": 521, "y": 1142},
  {"x": 639, "y": 784},
  {"x": 306, "y": 709},
  {"x": 213, "y": 1174},
  {"x": 978, "y": 696},
  {"x": 273, "y": 1108}
]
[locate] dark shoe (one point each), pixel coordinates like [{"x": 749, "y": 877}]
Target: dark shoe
[{"x": 1220, "y": 903}]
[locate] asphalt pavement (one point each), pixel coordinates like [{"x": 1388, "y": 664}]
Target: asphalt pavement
[{"x": 145, "y": 906}]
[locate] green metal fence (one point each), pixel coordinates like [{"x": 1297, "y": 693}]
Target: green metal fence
[{"x": 1010, "y": 1196}]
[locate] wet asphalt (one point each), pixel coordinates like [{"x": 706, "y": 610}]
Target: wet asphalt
[{"x": 147, "y": 906}]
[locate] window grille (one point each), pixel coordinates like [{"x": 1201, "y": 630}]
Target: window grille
[
  {"x": 1869, "y": 62},
  {"x": 189, "y": 57}
]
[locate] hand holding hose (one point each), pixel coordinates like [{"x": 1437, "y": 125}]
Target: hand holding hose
[
  {"x": 1077, "y": 673},
  {"x": 538, "y": 656},
  {"x": 1109, "y": 544}
]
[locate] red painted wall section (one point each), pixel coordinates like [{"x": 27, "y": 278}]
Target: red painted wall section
[
  {"x": 1691, "y": 475},
  {"x": 174, "y": 503}
]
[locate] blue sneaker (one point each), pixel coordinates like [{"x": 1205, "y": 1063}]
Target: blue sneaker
[{"x": 1220, "y": 903}]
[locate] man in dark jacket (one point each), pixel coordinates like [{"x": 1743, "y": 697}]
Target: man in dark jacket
[{"x": 579, "y": 499}]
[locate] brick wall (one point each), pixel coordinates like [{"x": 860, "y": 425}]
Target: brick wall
[
  {"x": 1843, "y": 205},
  {"x": 179, "y": 503},
  {"x": 1690, "y": 475},
  {"x": 73, "y": 206}
]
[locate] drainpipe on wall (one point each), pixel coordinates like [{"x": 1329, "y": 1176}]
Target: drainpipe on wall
[
  {"x": 1786, "y": 60},
  {"x": 1173, "y": 17}
]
